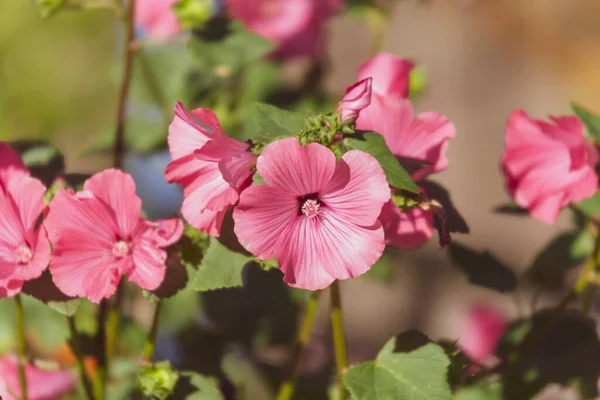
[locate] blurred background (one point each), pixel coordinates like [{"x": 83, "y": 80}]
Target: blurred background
[{"x": 482, "y": 58}]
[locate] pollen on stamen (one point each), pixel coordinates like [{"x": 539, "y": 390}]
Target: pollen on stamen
[
  {"x": 311, "y": 208},
  {"x": 23, "y": 255},
  {"x": 120, "y": 249}
]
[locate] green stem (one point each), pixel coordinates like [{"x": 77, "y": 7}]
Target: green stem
[
  {"x": 287, "y": 387},
  {"x": 589, "y": 274},
  {"x": 151, "y": 338},
  {"x": 21, "y": 345},
  {"x": 339, "y": 342},
  {"x": 76, "y": 348},
  {"x": 100, "y": 378}
]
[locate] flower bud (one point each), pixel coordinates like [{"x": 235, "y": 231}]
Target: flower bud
[
  {"x": 358, "y": 97},
  {"x": 157, "y": 380}
]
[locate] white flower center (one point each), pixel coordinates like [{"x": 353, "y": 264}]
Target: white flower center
[
  {"x": 120, "y": 249},
  {"x": 310, "y": 208},
  {"x": 23, "y": 255}
]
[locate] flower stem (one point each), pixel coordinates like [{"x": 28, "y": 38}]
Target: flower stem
[
  {"x": 151, "y": 338},
  {"x": 21, "y": 345},
  {"x": 76, "y": 348},
  {"x": 287, "y": 387},
  {"x": 588, "y": 275},
  {"x": 128, "y": 50},
  {"x": 100, "y": 378},
  {"x": 339, "y": 342}
]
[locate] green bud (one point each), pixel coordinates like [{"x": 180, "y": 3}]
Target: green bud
[
  {"x": 157, "y": 380},
  {"x": 404, "y": 202},
  {"x": 49, "y": 7},
  {"x": 417, "y": 82},
  {"x": 194, "y": 13}
]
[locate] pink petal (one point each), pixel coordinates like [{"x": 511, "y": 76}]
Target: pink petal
[
  {"x": 299, "y": 170},
  {"x": 481, "y": 332},
  {"x": 237, "y": 170},
  {"x": 41, "y": 384},
  {"x": 40, "y": 247},
  {"x": 9, "y": 288},
  {"x": 148, "y": 260},
  {"x": 406, "y": 230},
  {"x": 186, "y": 134},
  {"x": 11, "y": 165},
  {"x": 169, "y": 230},
  {"x": 204, "y": 220},
  {"x": 156, "y": 17},
  {"x": 28, "y": 195},
  {"x": 358, "y": 189},
  {"x": 358, "y": 97},
  {"x": 391, "y": 74},
  {"x": 117, "y": 190}
]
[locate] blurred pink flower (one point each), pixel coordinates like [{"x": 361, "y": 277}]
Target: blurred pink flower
[
  {"x": 169, "y": 230},
  {"x": 156, "y": 18},
  {"x": 98, "y": 236},
  {"x": 211, "y": 167},
  {"x": 358, "y": 97},
  {"x": 391, "y": 75},
  {"x": 548, "y": 165},
  {"x": 481, "y": 332},
  {"x": 316, "y": 216},
  {"x": 295, "y": 25},
  {"x": 24, "y": 247},
  {"x": 41, "y": 384},
  {"x": 420, "y": 142}
]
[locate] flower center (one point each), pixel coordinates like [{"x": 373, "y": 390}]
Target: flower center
[
  {"x": 23, "y": 255},
  {"x": 120, "y": 249},
  {"x": 311, "y": 208}
]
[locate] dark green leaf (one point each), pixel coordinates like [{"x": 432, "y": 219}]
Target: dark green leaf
[
  {"x": 511, "y": 209},
  {"x": 208, "y": 388},
  {"x": 374, "y": 144},
  {"x": 414, "y": 375},
  {"x": 589, "y": 119},
  {"x": 274, "y": 123},
  {"x": 221, "y": 268}
]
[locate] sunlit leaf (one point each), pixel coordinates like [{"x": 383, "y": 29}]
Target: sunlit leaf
[{"x": 221, "y": 268}]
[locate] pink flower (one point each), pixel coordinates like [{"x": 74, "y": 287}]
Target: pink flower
[
  {"x": 481, "y": 332},
  {"x": 316, "y": 216},
  {"x": 295, "y": 25},
  {"x": 548, "y": 165},
  {"x": 156, "y": 18},
  {"x": 24, "y": 247},
  {"x": 357, "y": 98},
  {"x": 420, "y": 142},
  {"x": 391, "y": 75},
  {"x": 98, "y": 236},
  {"x": 211, "y": 167},
  {"x": 169, "y": 231},
  {"x": 41, "y": 384}
]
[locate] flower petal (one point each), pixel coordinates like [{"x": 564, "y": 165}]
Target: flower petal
[
  {"x": 148, "y": 260},
  {"x": 169, "y": 230},
  {"x": 11, "y": 165},
  {"x": 365, "y": 192},
  {"x": 28, "y": 195},
  {"x": 391, "y": 74},
  {"x": 406, "y": 230},
  {"x": 9, "y": 288},
  {"x": 186, "y": 134},
  {"x": 299, "y": 170}
]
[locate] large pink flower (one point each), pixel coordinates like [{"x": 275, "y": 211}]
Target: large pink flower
[
  {"x": 316, "y": 216},
  {"x": 211, "y": 167},
  {"x": 156, "y": 18},
  {"x": 420, "y": 142},
  {"x": 41, "y": 384},
  {"x": 391, "y": 75},
  {"x": 482, "y": 330},
  {"x": 548, "y": 165},
  {"x": 24, "y": 247},
  {"x": 98, "y": 236},
  {"x": 295, "y": 25}
]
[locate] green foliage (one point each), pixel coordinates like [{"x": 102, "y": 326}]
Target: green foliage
[
  {"x": 589, "y": 119},
  {"x": 68, "y": 308},
  {"x": 192, "y": 246},
  {"x": 208, "y": 388},
  {"x": 480, "y": 391},
  {"x": 157, "y": 381},
  {"x": 414, "y": 375},
  {"x": 221, "y": 268},
  {"x": 590, "y": 207},
  {"x": 193, "y": 13},
  {"x": 374, "y": 144},
  {"x": 273, "y": 123},
  {"x": 49, "y": 7}
]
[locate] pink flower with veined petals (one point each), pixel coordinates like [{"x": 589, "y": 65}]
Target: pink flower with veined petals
[
  {"x": 98, "y": 236},
  {"x": 357, "y": 98},
  {"x": 24, "y": 247},
  {"x": 156, "y": 18},
  {"x": 391, "y": 75},
  {"x": 548, "y": 165},
  {"x": 316, "y": 216},
  {"x": 169, "y": 230},
  {"x": 481, "y": 332},
  {"x": 41, "y": 384},
  {"x": 211, "y": 167},
  {"x": 295, "y": 25},
  {"x": 419, "y": 140}
]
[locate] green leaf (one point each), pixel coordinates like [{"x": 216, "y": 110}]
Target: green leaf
[
  {"x": 374, "y": 144},
  {"x": 157, "y": 380},
  {"x": 383, "y": 269},
  {"x": 589, "y": 119},
  {"x": 415, "y": 375},
  {"x": 208, "y": 388},
  {"x": 192, "y": 246},
  {"x": 480, "y": 391},
  {"x": 590, "y": 207},
  {"x": 40, "y": 155},
  {"x": 554, "y": 261},
  {"x": 257, "y": 179},
  {"x": 274, "y": 123},
  {"x": 68, "y": 308},
  {"x": 221, "y": 268}
]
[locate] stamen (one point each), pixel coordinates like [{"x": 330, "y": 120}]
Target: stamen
[
  {"x": 311, "y": 208},
  {"x": 120, "y": 249},
  {"x": 23, "y": 255}
]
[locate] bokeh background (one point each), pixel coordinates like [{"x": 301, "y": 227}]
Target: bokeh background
[{"x": 483, "y": 58}]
